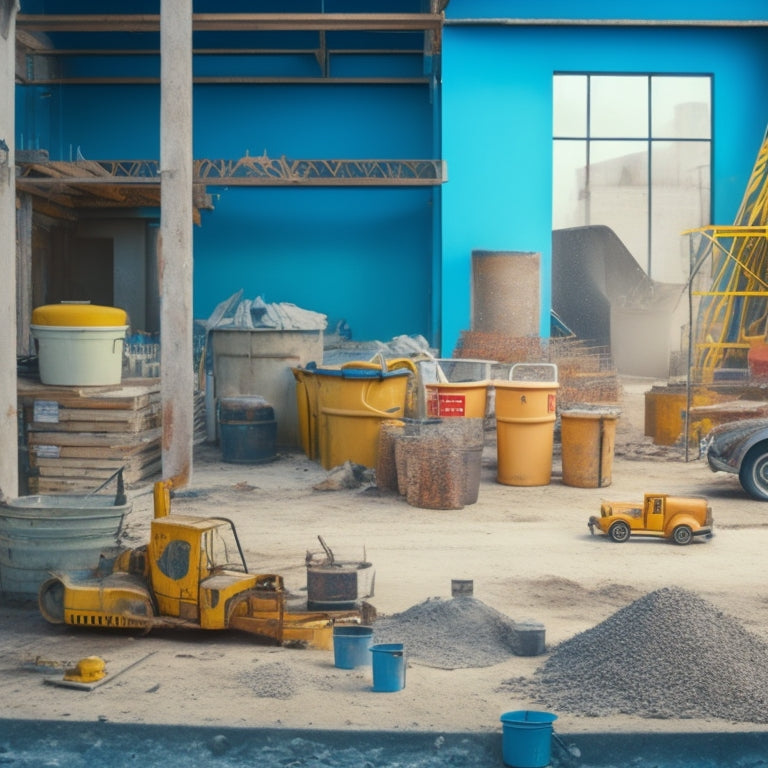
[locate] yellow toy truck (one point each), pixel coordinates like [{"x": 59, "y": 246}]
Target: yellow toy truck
[
  {"x": 677, "y": 518},
  {"x": 191, "y": 575}
]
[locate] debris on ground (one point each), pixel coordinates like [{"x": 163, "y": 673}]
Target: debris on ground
[
  {"x": 669, "y": 654},
  {"x": 346, "y": 475}
]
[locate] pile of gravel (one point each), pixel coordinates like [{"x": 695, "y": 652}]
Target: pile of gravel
[
  {"x": 669, "y": 654},
  {"x": 456, "y": 633},
  {"x": 270, "y": 681}
]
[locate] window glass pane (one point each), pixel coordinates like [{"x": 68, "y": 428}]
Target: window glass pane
[
  {"x": 680, "y": 194},
  {"x": 618, "y": 192},
  {"x": 618, "y": 106},
  {"x": 680, "y": 107},
  {"x": 570, "y": 105},
  {"x": 606, "y": 179},
  {"x": 569, "y": 184}
]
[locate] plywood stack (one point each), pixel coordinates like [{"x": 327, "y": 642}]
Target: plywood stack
[{"x": 77, "y": 437}]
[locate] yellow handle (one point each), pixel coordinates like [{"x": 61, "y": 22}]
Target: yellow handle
[
  {"x": 402, "y": 362},
  {"x": 385, "y": 365}
]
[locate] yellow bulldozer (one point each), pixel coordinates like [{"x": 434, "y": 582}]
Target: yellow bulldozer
[{"x": 191, "y": 575}]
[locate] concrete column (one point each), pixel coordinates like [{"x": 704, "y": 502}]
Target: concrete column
[
  {"x": 9, "y": 446},
  {"x": 175, "y": 245}
]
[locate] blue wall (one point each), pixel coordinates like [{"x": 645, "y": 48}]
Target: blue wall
[
  {"x": 365, "y": 255},
  {"x": 497, "y": 125},
  {"x": 394, "y": 261},
  {"x": 606, "y": 9}
]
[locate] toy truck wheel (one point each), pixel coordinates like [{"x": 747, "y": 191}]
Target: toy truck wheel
[
  {"x": 682, "y": 535},
  {"x": 619, "y": 531}
]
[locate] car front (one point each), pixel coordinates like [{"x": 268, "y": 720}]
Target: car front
[
  {"x": 725, "y": 446},
  {"x": 602, "y": 521}
]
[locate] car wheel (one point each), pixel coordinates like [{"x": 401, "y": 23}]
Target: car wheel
[
  {"x": 682, "y": 535},
  {"x": 753, "y": 473},
  {"x": 619, "y": 531}
]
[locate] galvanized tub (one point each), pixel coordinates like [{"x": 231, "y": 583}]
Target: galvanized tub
[{"x": 68, "y": 533}]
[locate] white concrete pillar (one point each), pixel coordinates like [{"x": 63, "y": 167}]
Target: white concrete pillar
[
  {"x": 9, "y": 447},
  {"x": 175, "y": 246}
]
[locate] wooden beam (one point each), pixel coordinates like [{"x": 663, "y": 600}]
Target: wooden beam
[
  {"x": 24, "y": 343},
  {"x": 234, "y": 22},
  {"x": 239, "y": 80}
]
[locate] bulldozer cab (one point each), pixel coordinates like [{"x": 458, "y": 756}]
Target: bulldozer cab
[{"x": 183, "y": 551}]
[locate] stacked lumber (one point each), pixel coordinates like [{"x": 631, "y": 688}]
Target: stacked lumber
[{"x": 77, "y": 437}]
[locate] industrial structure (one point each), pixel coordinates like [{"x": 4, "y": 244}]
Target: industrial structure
[{"x": 350, "y": 157}]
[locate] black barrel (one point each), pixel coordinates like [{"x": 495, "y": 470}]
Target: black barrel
[{"x": 247, "y": 430}]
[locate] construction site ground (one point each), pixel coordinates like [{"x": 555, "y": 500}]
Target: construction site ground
[{"x": 527, "y": 550}]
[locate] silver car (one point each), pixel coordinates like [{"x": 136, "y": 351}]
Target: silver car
[{"x": 741, "y": 448}]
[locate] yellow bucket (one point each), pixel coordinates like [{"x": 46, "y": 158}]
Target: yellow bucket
[
  {"x": 306, "y": 406},
  {"x": 352, "y": 402},
  {"x": 588, "y": 439},
  {"x": 665, "y": 414},
  {"x": 460, "y": 399},
  {"x": 525, "y": 431}
]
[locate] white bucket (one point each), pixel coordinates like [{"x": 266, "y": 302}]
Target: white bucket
[{"x": 80, "y": 356}]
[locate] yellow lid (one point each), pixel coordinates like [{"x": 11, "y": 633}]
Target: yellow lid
[{"x": 78, "y": 315}]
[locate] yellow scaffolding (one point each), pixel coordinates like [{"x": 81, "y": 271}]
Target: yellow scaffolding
[{"x": 731, "y": 314}]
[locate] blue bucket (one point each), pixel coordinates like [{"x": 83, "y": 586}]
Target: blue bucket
[
  {"x": 527, "y": 738},
  {"x": 388, "y": 667},
  {"x": 351, "y": 646}
]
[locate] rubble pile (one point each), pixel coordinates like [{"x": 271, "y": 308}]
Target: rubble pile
[
  {"x": 457, "y": 633},
  {"x": 669, "y": 654}
]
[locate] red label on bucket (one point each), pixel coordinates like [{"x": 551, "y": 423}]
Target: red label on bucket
[
  {"x": 551, "y": 403},
  {"x": 440, "y": 405}
]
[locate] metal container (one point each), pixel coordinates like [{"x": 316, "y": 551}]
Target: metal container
[
  {"x": 64, "y": 533},
  {"x": 338, "y": 585},
  {"x": 253, "y": 361},
  {"x": 247, "y": 430}
]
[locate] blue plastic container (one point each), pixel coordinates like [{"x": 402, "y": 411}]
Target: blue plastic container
[
  {"x": 527, "y": 738},
  {"x": 352, "y": 646},
  {"x": 388, "y": 667}
]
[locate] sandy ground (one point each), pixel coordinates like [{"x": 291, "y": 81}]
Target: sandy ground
[{"x": 527, "y": 550}]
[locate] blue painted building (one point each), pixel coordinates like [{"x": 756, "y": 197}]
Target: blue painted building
[{"x": 478, "y": 94}]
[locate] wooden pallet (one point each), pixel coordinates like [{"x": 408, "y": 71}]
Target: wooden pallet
[{"x": 77, "y": 437}]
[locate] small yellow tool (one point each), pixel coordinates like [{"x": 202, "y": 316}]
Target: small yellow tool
[{"x": 87, "y": 670}]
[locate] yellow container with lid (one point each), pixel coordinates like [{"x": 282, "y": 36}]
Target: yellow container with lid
[{"x": 79, "y": 344}]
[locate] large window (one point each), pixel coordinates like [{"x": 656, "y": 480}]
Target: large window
[{"x": 632, "y": 152}]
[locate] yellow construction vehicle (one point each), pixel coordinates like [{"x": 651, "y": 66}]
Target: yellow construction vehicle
[
  {"x": 677, "y": 518},
  {"x": 191, "y": 575}
]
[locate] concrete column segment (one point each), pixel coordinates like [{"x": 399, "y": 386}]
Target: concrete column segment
[
  {"x": 175, "y": 245},
  {"x": 9, "y": 465}
]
